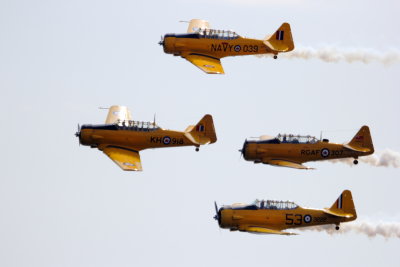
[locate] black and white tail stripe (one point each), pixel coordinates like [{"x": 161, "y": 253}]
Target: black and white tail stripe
[
  {"x": 200, "y": 128},
  {"x": 279, "y": 35},
  {"x": 340, "y": 202}
]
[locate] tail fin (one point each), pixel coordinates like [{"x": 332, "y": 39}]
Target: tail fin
[
  {"x": 362, "y": 141},
  {"x": 344, "y": 206},
  {"x": 203, "y": 132},
  {"x": 281, "y": 40}
]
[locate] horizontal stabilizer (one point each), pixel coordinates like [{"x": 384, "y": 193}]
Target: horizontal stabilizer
[
  {"x": 286, "y": 163},
  {"x": 358, "y": 149},
  {"x": 338, "y": 214},
  {"x": 262, "y": 230}
]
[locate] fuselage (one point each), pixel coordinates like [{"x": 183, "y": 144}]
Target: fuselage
[
  {"x": 217, "y": 46},
  {"x": 277, "y": 219},
  {"x": 134, "y": 137},
  {"x": 259, "y": 151}
]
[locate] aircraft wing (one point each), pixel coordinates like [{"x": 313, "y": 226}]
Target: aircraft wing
[
  {"x": 286, "y": 163},
  {"x": 262, "y": 230},
  {"x": 208, "y": 64},
  {"x": 337, "y": 214},
  {"x": 118, "y": 113},
  {"x": 127, "y": 159}
]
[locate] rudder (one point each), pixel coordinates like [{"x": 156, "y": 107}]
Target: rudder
[
  {"x": 281, "y": 40},
  {"x": 203, "y": 132},
  {"x": 362, "y": 140},
  {"x": 344, "y": 204}
]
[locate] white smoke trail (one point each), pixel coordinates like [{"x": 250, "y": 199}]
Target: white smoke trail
[
  {"x": 384, "y": 229},
  {"x": 386, "y": 158},
  {"x": 333, "y": 55}
]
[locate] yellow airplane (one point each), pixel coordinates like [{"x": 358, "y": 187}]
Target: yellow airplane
[
  {"x": 293, "y": 150},
  {"x": 204, "y": 47},
  {"x": 272, "y": 217},
  {"x": 121, "y": 138}
]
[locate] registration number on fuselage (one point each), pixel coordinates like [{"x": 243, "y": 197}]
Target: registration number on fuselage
[
  {"x": 299, "y": 219},
  {"x": 225, "y": 47},
  {"x": 166, "y": 140},
  {"x": 325, "y": 152}
]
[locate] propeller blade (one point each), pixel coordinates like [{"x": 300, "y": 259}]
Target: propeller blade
[
  {"x": 162, "y": 41},
  {"x": 78, "y": 132},
  {"x": 216, "y": 217},
  {"x": 243, "y": 150}
]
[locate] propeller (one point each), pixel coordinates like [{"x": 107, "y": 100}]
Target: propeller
[
  {"x": 243, "y": 150},
  {"x": 216, "y": 217},
  {"x": 162, "y": 41},
  {"x": 78, "y": 133}
]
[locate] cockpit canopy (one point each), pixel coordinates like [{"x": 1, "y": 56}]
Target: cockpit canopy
[
  {"x": 297, "y": 139},
  {"x": 266, "y": 205},
  {"x": 285, "y": 138},
  {"x": 216, "y": 34},
  {"x": 275, "y": 204},
  {"x": 137, "y": 125}
]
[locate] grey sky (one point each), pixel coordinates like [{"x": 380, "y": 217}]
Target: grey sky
[{"x": 65, "y": 205}]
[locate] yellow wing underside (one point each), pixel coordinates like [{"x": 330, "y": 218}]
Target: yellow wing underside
[
  {"x": 126, "y": 159},
  {"x": 210, "y": 65},
  {"x": 286, "y": 163},
  {"x": 262, "y": 230}
]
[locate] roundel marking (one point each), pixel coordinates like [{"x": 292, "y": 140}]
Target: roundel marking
[
  {"x": 166, "y": 140},
  {"x": 237, "y": 48},
  {"x": 325, "y": 152},
  {"x": 307, "y": 218}
]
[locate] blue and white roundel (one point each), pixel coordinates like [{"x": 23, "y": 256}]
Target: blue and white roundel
[
  {"x": 307, "y": 218},
  {"x": 237, "y": 48},
  {"x": 325, "y": 152},
  {"x": 166, "y": 140}
]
